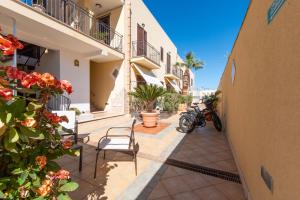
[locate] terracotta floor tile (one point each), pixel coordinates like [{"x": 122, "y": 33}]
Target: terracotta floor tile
[
  {"x": 170, "y": 172},
  {"x": 232, "y": 190},
  {"x": 210, "y": 193},
  {"x": 185, "y": 196},
  {"x": 175, "y": 185},
  {"x": 195, "y": 180},
  {"x": 158, "y": 192}
]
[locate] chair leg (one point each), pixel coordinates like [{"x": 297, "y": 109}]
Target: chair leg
[
  {"x": 97, "y": 155},
  {"x": 80, "y": 159},
  {"x": 135, "y": 162},
  {"x": 104, "y": 154}
]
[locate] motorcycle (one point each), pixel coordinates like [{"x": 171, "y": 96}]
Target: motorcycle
[{"x": 197, "y": 117}]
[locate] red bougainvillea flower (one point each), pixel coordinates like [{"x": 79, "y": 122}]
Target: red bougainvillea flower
[
  {"x": 41, "y": 161},
  {"x": 62, "y": 174},
  {"x": 52, "y": 117},
  {"x": 31, "y": 79},
  {"x": 48, "y": 79},
  {"x": 29, "y": 122},
  {"x": 5, "y": 44},
  {"x": 6, "y": 94},
  {"x": 14, "y": 73},
  {"x": 45, "y": 188},
  {"x": 67, "y": 143},
  {"x": 15, "y": 42},
  {"x": 66, "y": 85}
]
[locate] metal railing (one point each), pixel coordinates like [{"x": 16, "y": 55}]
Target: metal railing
[
  {"x": 141, "y": 48},
  {"x": 176, "y": 71},
  {"x": 80, "y": 20},
  {"x": 59, "y": 103}
]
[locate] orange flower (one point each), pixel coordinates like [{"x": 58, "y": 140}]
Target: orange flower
[
  {"x": 63, "y": 174},
  {"x": 48, "y": 79},
  {"x": 66, "y": 85},
  {"x": 45, "y": 188},
  {"x": 6, "y": 94},
  {"x": 29, "y": 122},
  {"x": 67, "y": 144},
  {"x": 30, "y": 79},
  {"x": 41, "y": 161}
]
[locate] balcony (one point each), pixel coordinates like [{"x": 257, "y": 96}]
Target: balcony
[
  {"x": 80, "y": 20},
  {"x": 175, "y": 73},
  {"x": 145, "y": 55}
]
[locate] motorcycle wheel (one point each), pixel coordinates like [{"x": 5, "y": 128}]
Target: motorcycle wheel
[
  {"x": 216, "y": 121},
  {"x": 186, "y": 124}
]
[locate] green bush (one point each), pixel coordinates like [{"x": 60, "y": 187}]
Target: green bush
[{"x": 171, "y": 101}]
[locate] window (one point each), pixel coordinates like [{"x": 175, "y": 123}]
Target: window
[
  {"x": 191, "y": 82},
  {"x": 161, "y": 54},
  {"x": 168, "y": 63}
]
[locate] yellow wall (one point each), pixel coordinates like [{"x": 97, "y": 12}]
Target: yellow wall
[
  {"x": 261, "y": 108},
  {"x": 104, "y": 86}
]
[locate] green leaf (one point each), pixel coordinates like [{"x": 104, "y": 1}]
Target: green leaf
[
  {"x": 17, "y": 171},
  {"x": 39, "y": 198},
  {"x": 37, "y": 182},
  {"x": 9, "y": 146},
  {"x": 34, "y": 106},
  {"x": 13, "y": 135},
  {"x": 53, "y": 166},
  {"x": 32, "y": 133},
  {"x": 8, "y": 117},
  {"x": 23, "y": 177},
  {"x": 17, "y": 107},
  {"x": 2, "y": 196},
  {"x": 69, "y": 187},
  {"x": 63, "y": 197},
  {"x": 33, "y": 175}
]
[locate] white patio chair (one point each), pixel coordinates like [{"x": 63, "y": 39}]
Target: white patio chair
[{"x": 121, "y": 142}]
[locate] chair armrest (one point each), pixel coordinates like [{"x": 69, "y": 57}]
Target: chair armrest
[{"x": 117, "y": 128}]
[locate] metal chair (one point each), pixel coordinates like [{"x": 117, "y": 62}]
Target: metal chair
[
  {"x": 123, "y": 143},
  {"x": 70, "y": 129}
]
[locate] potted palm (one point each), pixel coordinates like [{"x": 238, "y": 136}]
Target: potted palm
[{"x": 148, "y": 95}]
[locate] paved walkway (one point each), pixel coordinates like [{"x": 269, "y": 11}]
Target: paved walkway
[
  {"x": 207, "y": 148},
  {"x": 155, "y": 180}
]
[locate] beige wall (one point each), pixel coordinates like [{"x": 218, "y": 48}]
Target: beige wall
[
  {"x": 260, "y": 109},
  {"x": 107, "y": 92},
  {"x": 156, "y": 35}
]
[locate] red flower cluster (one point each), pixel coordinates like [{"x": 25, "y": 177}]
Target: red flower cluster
[
  {"x": 9, "y": 44},
  {"x": 54, "y": 118},
  {"x": 6, "y": 94},
  {"x": 67, "y": 144},
  {"x": 45, "y": 80}
]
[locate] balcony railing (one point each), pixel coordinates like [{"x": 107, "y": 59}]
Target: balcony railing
[
  {"x": 79, "y": 19},
  {"x": 141, "y": 48}
]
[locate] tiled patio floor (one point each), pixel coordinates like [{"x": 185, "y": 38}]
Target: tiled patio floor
[
  {"x": 116, "y": 178},
  {"x": 204, "y": 147}
]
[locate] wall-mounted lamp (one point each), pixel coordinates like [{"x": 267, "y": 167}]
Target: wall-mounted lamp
[
  {"x": 98, "y": 5},
  {"x": 143, "y": 25},
  {"x": 46, "y": 51}
]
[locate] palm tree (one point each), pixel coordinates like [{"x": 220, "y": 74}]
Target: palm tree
[
  {"x": 148, "y": 94},
  {"x": 190, "y": 62}
]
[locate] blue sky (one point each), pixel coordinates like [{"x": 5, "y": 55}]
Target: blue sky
[{"x": 208, "y": 28}]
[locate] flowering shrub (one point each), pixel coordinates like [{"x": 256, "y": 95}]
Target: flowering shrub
[{"x": 29, "y": 137}]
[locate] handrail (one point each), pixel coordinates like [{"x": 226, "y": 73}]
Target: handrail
[
  {"x": 60, "y": 102},
  {"x": 81, "y": 20},
  {"x": 143, "y": 48}
]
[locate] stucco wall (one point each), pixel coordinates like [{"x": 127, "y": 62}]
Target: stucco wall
[
  {"x": 156, "y": 35},
  {"x": 78, "y": 76},
  {"x": 107, "y": 92},
  {"x": 50, "y": 62},
  {"x": 260, "y": 109}
]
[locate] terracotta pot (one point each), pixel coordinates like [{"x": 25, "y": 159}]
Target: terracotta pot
[{"x": 150, "y": 119}]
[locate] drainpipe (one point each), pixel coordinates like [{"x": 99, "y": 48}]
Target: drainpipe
[
  {"x": 15, "y": 34},
  {"x": 127, "y": 54}
]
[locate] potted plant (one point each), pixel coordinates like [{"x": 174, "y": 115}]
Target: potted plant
[
  {"x": 182, "y": 103},
  {"x": 148, "y": 95}
]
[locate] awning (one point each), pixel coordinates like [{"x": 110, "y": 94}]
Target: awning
[
  {"x": 174, "y": 85},
  {"x": 147, "y": 75}
]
